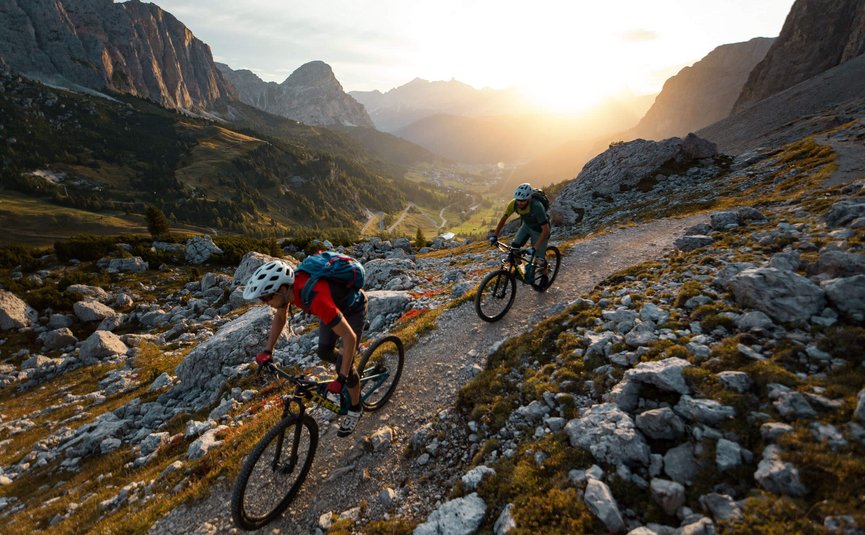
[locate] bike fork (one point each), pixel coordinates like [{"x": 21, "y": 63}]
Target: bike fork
[{"x": 288, "y": 467}]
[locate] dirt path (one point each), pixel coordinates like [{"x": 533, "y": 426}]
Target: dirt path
[
  {"x": 401, "y": 217},
  {"x": 371, "y": 218},
  {"x": 436, "y": 368}
]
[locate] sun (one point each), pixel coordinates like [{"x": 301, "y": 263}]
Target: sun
[{"x": 567, "y": 94}]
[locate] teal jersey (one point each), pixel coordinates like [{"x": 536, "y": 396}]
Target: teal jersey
[{"x": 534, "y": 216}]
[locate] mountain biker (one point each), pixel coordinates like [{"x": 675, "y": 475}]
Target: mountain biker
[
  {"x": 341, "y": 312},
  {"x": 535, "y": 225}
]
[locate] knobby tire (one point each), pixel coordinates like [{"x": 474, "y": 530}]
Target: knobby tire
[
  {"x": 503, "y": 289},
  {"x": 259, "y": 481},
  {"x": 554, "y": 260},
  {"x": 388, "y": 357}
]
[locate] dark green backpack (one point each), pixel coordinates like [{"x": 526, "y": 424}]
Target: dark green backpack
[{"x": 541, "y": 196}]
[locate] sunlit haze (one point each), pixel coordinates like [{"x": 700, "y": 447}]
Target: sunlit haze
[{"x": 566, "y": 54}]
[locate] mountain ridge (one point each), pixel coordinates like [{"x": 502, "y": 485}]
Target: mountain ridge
[
  {"x": 401, "y": 106},
  {"x": 104, "y": 45},
  {"x": 702, "y": 93},
  {"x": 310, "y": 94}
]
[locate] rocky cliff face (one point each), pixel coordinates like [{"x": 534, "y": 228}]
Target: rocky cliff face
[
  {"x": 131, "y": 47},
  {"x": 621, "y": 179},
  {"x": 311, "y": 95},
  {"x": 817, "y": 35},
  {"x": 703, "y": 93}
]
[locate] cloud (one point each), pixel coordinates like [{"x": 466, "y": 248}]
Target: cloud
[{"x": 637, "y": 36}]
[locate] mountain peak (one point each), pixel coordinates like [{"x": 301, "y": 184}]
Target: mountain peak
[
  {"x": 312, "y": 73},
  {"x": 311, "y": 94}
]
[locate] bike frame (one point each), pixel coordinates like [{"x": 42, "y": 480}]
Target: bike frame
[
  {"x": 515, "y": 256},
  {"x": 308, "y": 390}
]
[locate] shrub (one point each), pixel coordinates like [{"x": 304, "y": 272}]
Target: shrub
[
  {"x": 689, "y": 289},
  {"x": 17, "y": 255},
  {"x": 234, "y": 247},
  {"x": 85, "y": 247}
]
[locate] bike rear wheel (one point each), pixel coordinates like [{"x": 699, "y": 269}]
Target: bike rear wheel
[
  {"x": 495, "y": 295},
  {"x": 554, "y": 260},
  {"x": 380, "y": 370},
  {"x": 273, "y": 473}
]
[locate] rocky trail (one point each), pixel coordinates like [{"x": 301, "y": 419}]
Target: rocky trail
[{"x": 347, "y": 476}]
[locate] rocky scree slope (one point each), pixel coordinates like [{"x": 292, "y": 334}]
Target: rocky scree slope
[{"x": 720, "y": 389}]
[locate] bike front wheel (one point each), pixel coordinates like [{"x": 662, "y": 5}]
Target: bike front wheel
[
  {"x": 380, "y": 370},
  {"x": 495, "y": 295},
  {"x": 554, "y": 260},
  {"x": 273, "y": 473}
]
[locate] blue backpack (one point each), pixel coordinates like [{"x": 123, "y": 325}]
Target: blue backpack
[{"x": 334, "y": 267}]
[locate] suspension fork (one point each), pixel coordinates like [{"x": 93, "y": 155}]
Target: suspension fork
[{"x": 298, "y": 429}]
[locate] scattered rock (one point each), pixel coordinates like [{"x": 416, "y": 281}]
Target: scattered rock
[
  {"x": 668, "y": 494},
  {"x": 602, "y": 504},
  {"x": 461, "y": 516},
  {"x": 100, "y": 345},
  {"x": 609, "y": 434},
  {"x": 775, "y": 475},
  {"x": 784, "y": 296},
  {"x": 15, "y": 313},
  {"x": 200, "y": 248}
]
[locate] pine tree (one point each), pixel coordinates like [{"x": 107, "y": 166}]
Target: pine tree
[
  {"x": 157, "y": 223},
  {"x": 420, "y": 240}
]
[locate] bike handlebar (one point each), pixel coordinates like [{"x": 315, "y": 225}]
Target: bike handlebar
[
  {"x": 299, "y": 380},
  {"x": 509, "y": 248}
]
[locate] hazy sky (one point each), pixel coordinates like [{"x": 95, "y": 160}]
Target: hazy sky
[{"x": 558, "y": 51}]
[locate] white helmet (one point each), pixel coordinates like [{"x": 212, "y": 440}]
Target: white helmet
[
  {"x": 267, "y": 279},
  {"x": 523, "y": 192}
]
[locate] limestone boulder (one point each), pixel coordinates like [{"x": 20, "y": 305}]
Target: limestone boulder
[
  {"x": 136, "y": 264},
  {"x": 215, "y": 360},
  {"x": 847, "y": 295},
  {"x": 841, "y": 263},
  {"x": 391, "y": 274},
  {"x": 460, "y": 516},
  {"x": 15, "y": 313},
  {"x": 845, "y": 212},
  {"x": 249, "y": 263},
  {"x": 623, "y": 167},
  {"x": 778, "y": 476},
  {"x": 610, "y": 435},
  {"x": 600, "y": 501},
  {"x": 199, "y": 249},
  {"x": 92, "y": 311},
  {"x": 57, "y": 339},
  {"x": 101, "y": 345},
  {"x": 782, "y": 295}
]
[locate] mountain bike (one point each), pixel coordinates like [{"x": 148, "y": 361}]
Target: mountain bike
[
  {"x": 279, "y": 463},
  {"x": 497, "y": 291}
]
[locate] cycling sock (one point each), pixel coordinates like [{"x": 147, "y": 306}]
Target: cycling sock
[{"x": 355, "y": 408}]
